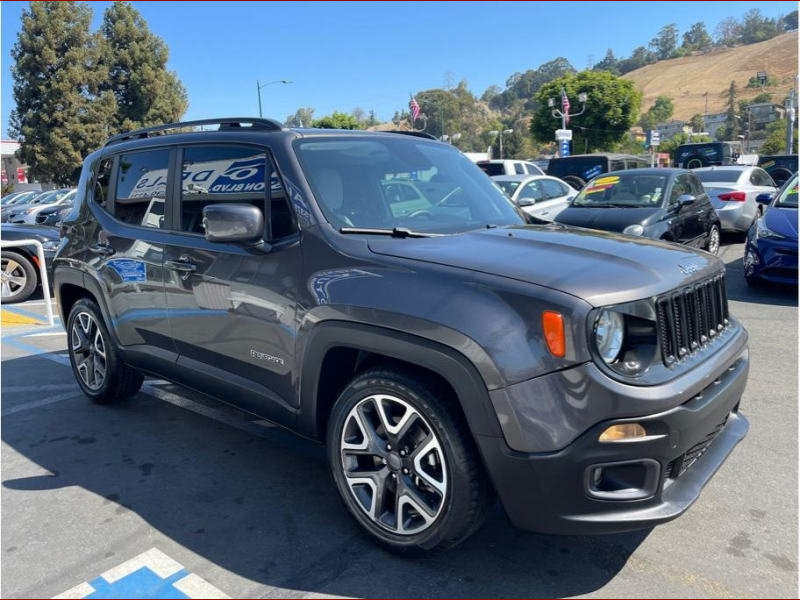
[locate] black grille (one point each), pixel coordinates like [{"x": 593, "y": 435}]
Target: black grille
[
  {"x": 678, "y": 467},
  {"x": 690, "y": 317}
]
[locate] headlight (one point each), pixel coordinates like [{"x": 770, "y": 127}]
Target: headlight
[
  {"x": 609, "y": 333},
  {"x": 763, "y": 231},
  {"x": 50, "y": 245},
  {"x": 633, "y": 230}
]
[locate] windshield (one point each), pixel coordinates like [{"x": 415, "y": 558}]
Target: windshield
[
  {"x": 508, "y": 187},
  {"x": 787, "y": 198},
  {"x": 718, "y": 175},
  {"x": 397, "y": 181},
  {"x": 623, "y": 190}
]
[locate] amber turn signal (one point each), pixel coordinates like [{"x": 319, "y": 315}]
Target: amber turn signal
[
  {"x": 553, "y": 326},
  {"x": 623, "y": 432}
]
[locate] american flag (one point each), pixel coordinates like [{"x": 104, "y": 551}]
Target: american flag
[
  {"x": 565, "y": 105},
  {"x": 414, "y": 106}
]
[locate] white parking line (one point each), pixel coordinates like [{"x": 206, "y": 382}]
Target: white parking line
[
  {"x": 39, "y": 403},
  {"x": 27, "y": 335},
  {"x": 48, "y": 387}
]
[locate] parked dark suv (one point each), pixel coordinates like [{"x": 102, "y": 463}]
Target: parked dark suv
[
  {"x": 442, "y": 349},
  {"x": 576, "y": 170}
]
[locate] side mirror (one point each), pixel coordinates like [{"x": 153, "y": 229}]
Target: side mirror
[
  {"x": 764, "y": 198},
  {"x": 686, "y": 200},
  {"x": 522, "y": 202},
  {"x": 233, "y": 223}
]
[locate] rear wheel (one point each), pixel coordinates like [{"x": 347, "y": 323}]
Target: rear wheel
[
  {"x": 574, "y": 181},
  {"x": 404, "y": 463},
  {"x": 696, "y": 162},
  {"x": 17, "y": 277},
  {"x": 102, "y": 376}
]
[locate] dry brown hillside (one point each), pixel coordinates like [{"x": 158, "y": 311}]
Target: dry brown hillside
[{"x": 687, "y": 79}]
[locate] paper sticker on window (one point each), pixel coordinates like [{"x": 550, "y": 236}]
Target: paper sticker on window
[
  {"x": 129, "y": 270},
  {"x": 602, "y": 184}
]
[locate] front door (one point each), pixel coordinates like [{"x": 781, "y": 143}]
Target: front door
[
  {"x": 126, "y": 250},
  {"x": 232, "y": 306},
  {"x": 685, "y": 222}
]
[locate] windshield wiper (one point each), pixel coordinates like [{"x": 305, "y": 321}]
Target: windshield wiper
[
  {"x": 396, "y": 232},
  {"x": 606, "y": 205}
]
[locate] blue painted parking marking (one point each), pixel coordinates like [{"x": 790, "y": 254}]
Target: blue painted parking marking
[{"x": 151, "y": 574}]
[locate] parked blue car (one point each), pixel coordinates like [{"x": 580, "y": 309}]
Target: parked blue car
[{"x": 771, "y": 250}]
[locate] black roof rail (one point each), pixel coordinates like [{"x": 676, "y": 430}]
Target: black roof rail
[
  {"x": 224, "y": 123},
  {"x": 420, "y": 134}
]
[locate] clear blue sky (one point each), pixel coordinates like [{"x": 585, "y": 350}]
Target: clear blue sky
[{"x": 344, "y": 55}]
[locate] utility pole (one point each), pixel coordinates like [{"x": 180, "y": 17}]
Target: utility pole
[
  {"x": 260, "y": 85},
  {"x": 790, "y": 117}
]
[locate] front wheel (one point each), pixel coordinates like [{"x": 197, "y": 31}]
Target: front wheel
[
  {"x": 712, "y": 245},
  {"x": 18, "y": 277},
  {"x": 102, "y": 376},
  {"x": 404, "y": 463}
]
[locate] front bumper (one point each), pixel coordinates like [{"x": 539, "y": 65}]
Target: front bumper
[
  {"x": 771, "y": 260},
  {"x": 556, "y": 492}
]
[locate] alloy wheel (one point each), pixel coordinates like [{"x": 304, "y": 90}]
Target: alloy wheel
[
  {"x": 393, "y": 464},
  {"x": 12, "y": 278},
  {"x": 88, "y": 350},
  {"x": 713, "y": 241}
]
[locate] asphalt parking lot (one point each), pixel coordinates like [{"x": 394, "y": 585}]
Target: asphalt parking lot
[{"x": 173, "y": 493}]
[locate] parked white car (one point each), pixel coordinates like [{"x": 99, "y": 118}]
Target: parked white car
[
  {"x": 733, "y": 190},
  {"x": 540, "y": 196},
  {"x": 508, "y": 167}
]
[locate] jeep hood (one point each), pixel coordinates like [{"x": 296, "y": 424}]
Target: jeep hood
[{"x": 599, "y": 267}]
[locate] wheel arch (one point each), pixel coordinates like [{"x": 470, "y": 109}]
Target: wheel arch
[
  {"x": 337, "y": 351},
  {"x": 70, "y": 286}
]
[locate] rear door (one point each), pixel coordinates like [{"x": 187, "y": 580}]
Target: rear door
[
  {"x": 232, "y": 306},
  {"x": 556, "y": 198},
  {"x": 126, "y": 247}
]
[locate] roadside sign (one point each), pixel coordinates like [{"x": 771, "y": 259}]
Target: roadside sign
[
  {"x": 564, "y": 134},
  {"x": 653, "y": 138},
  {"x": 563, "y": 148}
]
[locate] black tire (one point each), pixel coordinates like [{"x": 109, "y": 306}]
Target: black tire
[
  {"x": 780, "y": 175},
  {"x": 577, "y": 182},
  {"x": 710, "y": 247},
  {"x": 696, "y": 161},
  {"x": 469, "y": 494},
  {"x": 20, "y": 267},
  {"x": 120, "y": 381}
]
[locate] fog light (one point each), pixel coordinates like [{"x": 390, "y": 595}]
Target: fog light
[{"x": 623, "y": 432}]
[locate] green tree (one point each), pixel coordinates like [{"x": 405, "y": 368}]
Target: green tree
[
  {"x": 609, "y": 63},
  {"x": 697, "y": 123},
  {"x": 337, "y": 120},
  {"x": 788, "y": 22},
  {"x": 611, "y": 109},
  {"x": 521, "y": 88},
  {"x": 665, "y": 42},
  {"x": 661, "y": 111},
  {"x": 756, "y": 27},
  {"x": 639, "y": 58},
  {"x": 302, "y": 117},
  {"x": 697, "y": 38},
  {"x": 61, "y": 114},
  {"x": 731, "y": 121},
  {"x": 136, "y": 59},
  {"x": 762, "y": 97},
  {"x": 728, "y": 32},
  {"x": 775, "y": 143}
]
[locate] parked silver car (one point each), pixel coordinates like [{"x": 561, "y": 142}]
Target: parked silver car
[
  {"x": 733, "y": 191},
  {"x": 538, "y": 195},
  {"x": 26, "y": 213}
]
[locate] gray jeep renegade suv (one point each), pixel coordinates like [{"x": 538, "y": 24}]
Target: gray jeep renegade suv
[{"x": 375, "y": 292}]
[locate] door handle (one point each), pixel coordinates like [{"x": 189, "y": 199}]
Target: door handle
[
  {"x": 183, "y": 264},
  {"x": 103, "y": 249}
]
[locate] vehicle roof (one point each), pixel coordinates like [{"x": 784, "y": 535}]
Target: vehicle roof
[
  {"x": 725, "y": 168},
  {"x": 502, "y": 160},
  {"x": 605, "y": 154},
  {"x": 519, "y": 177},
  {"x": 648, "y": 171}
]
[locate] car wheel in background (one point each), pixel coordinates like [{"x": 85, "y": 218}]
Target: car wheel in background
[
  {"x": 695, "y": 162},
  {"x": 574, "y": 181},
  {"x": 18, "y": 277},
  {"x": 404, "y": 463},
  {"x": 712, "y": 245}
]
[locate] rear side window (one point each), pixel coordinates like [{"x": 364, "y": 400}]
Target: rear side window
[
  {"x": 553, "y": 189},
  {"x": 141, "y": 189},
  {"x": 519, "y": 168},
  {"x": 102, "y": 182},
  {"x": 760, "y": 177},
  {"x": 492, "y": 168},
  {"x": 219, "y": 174}
]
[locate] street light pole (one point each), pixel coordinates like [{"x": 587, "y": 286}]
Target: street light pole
[
  {"x": 500, "y": 132},
  {"x": 790, "y": 117},
  {"x": 260, "y": 85},
  {"x": 557, "y": 113}
]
